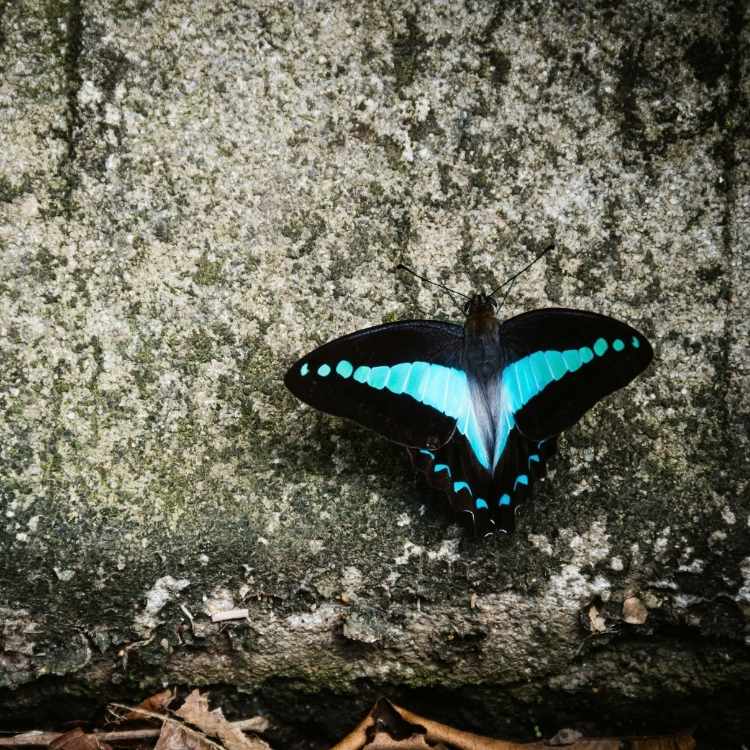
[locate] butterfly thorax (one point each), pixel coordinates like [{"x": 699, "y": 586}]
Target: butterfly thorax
[{"x": 481, "y": 338}]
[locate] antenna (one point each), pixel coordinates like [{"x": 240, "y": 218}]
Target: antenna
[
  {"x": 523, "y": 270},
  {"x": 451, "y": 292}
]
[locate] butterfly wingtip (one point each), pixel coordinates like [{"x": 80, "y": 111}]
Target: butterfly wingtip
[{"x": 292, "y": 375}]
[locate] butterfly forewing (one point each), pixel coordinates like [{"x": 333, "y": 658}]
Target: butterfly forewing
[
  {"x": 402, "y": 380},
  {"x": 563, "y": 362}
]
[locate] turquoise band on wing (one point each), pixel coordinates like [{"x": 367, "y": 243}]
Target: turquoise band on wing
[{"x": 528, "y": 377}]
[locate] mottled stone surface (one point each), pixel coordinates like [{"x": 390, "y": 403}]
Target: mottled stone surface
[{"x": 193, "y": 194}]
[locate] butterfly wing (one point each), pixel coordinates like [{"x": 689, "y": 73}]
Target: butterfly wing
[
  {"x": 488, "y": 501},
  {"x": 385, "y": 377},
  {"x": 553, "y": 366},
  {"x": 561, "y": 363},
  {"x": 556, "y": 364}
]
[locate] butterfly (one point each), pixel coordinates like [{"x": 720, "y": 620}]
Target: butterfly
[{"x": 480, "y": 406}]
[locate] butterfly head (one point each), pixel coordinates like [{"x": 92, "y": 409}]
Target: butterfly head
[{"x": 480, "y": 305}]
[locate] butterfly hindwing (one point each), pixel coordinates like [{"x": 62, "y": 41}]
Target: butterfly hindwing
[
  {"x": 402, "y": 380},
  {"x": 522, "y": 464},
  {"x": 561, "y": 362},
  {"x": 488, "y": 502}
]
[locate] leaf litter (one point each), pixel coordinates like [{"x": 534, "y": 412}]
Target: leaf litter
[{"x": 153, "y": 725}]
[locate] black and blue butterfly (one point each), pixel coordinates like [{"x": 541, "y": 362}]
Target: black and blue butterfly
[{"x": 480, "y": 406}]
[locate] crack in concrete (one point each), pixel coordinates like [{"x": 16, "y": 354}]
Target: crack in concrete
[
  {"x": 73, "y": 33},
  {"x": 728, "y": 155},
  {"x": 3, "y": 7}
]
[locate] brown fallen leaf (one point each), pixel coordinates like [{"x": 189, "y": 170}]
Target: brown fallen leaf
[
  {"x": 156, "y": 704},
  {"x": 175, "y": 737},
  {"x": 597, "y": 623},
  {"x": 412, "y": 732},
  {"x": 634, "y": 611},
  {"x": 195, "y": 710},
  {"x": 390, "y": 727},
  {"x": 77, "y": 739},
  {"x": 42, "y": 739}
]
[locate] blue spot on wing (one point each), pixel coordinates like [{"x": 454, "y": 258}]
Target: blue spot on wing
[
  {"x": 505, "y": 426},
  {"x": 456, "y": 394},
  {"x": 572, "y": 360},
  {"x": 437, "y": 385},
  {"x": 377, "y": 377},
  {"x": 361, "y": 374},
  {"x": 539, "y": 369},
  {"x": 398, "y": 377},
  {"x": 556, "y": 364},
  {"x": 416, "y": 380},
  {"x": 344, "y": 368},
  {"x": 445, "y": 389},
  {"x": 526, "y": 385}
]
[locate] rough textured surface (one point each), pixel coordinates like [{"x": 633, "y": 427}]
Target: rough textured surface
[{"x": 191, "y": 195}]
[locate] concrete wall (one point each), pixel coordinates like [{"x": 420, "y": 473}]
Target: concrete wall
[{"x": 193, "y": 194}]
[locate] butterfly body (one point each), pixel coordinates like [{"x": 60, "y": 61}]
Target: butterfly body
[{"x": 478, "y": 406}]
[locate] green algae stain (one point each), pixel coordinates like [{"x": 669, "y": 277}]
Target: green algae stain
[
  {"x": 208, "y": 272},
  {"x": 9, "y": 191}
]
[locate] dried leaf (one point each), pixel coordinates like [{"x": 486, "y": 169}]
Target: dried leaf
[
  {"x": 390, "y": 727},
  {"x": 387, "y": 720},
  {"x": 634, "y": 611},
  {"x": 175, "y": 737},
  {"x": 195, "y": 710},
  {"x": 675, "y": 742},
  {"x": 383, "y": 742},
  {"x": 156, "y": 704},
  {"x": 597, "y": 623},
  {"x": 77, "y": 739}
]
